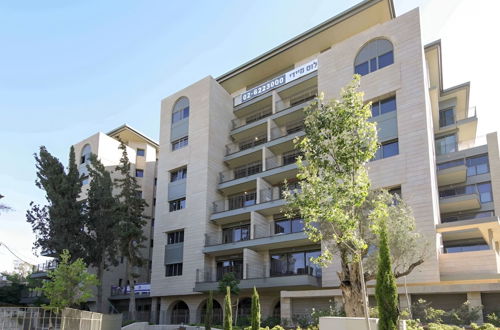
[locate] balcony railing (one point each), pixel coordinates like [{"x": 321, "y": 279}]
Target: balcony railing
[
  {"x": 209, "y": 275},
  {"x": 297, "y": 98},
  {"x": 467, "y": 216},
  {"x": 139, "y": 289},
  {"x": 45, "y": 267},
  {"x": 290, "y": 128},
  {"x": 240, "y": 172},
  {"x": 261, "y": 113},
  {"x": 449, "y": 147},
  {"x": 234, "y": 147}
]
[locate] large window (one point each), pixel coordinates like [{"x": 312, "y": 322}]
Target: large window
[
  {"x": 466, "y": 245},
  {"x": 446, "y": 117},
  {"x": 236, "y": 234},
  {"x": 179, "y": 174},
  {"x": 283, "y": 225},
  {"x": 482, "y": 189},
  {"x": 446, "y": 144},
  {"x": 477, "y": 165},
  {"x": 141, "y": 152},
  {"x": 242, "y": 200},
  {"x": 180, "y": 143},
  {"x": 383, "y": 106},
  {"x": 387, "y": 149},
  {"x": 295, "y": 263},
  {"x": 234, "y": 266},
  {"x": 173, "y": 269},
  {"x": 177, "y": 204},
  {"x": 181, "y": 110},
  {"x": 139, "y": 173},
  {"x": 175, "y": 237},
  {"x": 375, "y": 55}
]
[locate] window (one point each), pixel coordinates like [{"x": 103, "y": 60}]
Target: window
[
  {"x": 175, "y": 237},
  {"x": 291, "y": 157},
  {"x": 466, "y": 216},
  {"x": 375, "y": 55},
  {"x": 450, "y": 164},
  {"x": 85, "y": 156},
  {"x": 387, "y": 149},
  {"x": 283, "y": 225},
  {"x": 236, "y": 234},
  {"x": 177, "y": 204},
  {"x": 446, "y": 144},
  {"x": 234, "y": 266},
  {"x": 482, "y": 189},
  {"x": 477, "y": 165},
  {"x": 179, "y": 143},
  {"x": 295, "y": 263},
  {"x": 446, "y": 117},
  {"x": 139, "y": 173},
  {"x": 181, "y": 110},
  {"x": 383, "y": 106},
  {"x": 141, "y": 152},
  {"x": 247, "y": 170},
  {"x": 173, "y": 270},
  {"x": 466, "y": 245},
  {"x": 242, "y": 200},
  {"x": 179, "y": 174},
  {"x": 485, "y": 194}
]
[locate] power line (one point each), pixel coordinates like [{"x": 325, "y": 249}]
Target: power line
[{"x": 15, "y": 255}]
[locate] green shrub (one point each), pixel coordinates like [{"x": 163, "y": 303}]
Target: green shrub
[
  {"x": 302, "y": 321},
  {"x": 423, "y": 311},
  {"x": 463, "y": 315},
  {"x": 332, "y": 310},
  {"x": 485, "y": 326},
  {"x": 413, "y": 325},
  {"x": 278, "y": 327},
  {"x": 271, "y": 321},
  {"x": 437, "y": 326},
  {"x": 494, "y": 318}
]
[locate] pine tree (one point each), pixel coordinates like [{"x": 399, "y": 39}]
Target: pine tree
[
  {"x": 209, "y": 312},
  {"x": 228, "y": 311},
  {"x": 59, "y": 224},
  {"x": 131, "y": 208},
  {"x": 255, "y": 310},
  {"x": 101, "y": 221},
  {"x": 385, "y": 289}
]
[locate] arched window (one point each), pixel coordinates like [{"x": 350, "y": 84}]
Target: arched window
[
  {"x": 180, "y": 110},
  {"x": 216, "y": 315},
  {"x": 244, "y": 309},
  {"x": 374, "y": 55},
  {"x": 180, "y": 313},
  {"x": 85, "y": 156}
]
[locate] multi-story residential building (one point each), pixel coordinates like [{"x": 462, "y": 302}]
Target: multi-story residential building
[
  {"x": 227, "y": 148},
  {"x": 143, "y": 153}
]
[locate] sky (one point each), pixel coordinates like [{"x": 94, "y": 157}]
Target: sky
[{"x": 69, "y": 69}]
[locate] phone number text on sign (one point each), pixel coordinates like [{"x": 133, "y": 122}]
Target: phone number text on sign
[{"x": 264, "y": 88}]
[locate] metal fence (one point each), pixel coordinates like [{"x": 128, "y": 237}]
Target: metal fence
[{"x": 37, "y": 318}]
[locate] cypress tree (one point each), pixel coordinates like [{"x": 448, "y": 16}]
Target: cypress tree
[
  {"x": 255, "y": 310},
  {"x": 385, "y": 289},
  {"x": 228, "y": 312},
  {"x": 130, "y": 211},
  {"x": 209, "y": 312},
  {"x": 101, "y": 221}
]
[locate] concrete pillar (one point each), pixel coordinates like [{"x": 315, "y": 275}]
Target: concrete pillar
[
  {"x": 474, "y": 299},
  {"x": 286, "y": 308},
  {"x": 153, "y": 318},
  {"x": 404, "y": 304}
]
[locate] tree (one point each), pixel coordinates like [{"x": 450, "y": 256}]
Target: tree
[
  {"x": 386, "y": 291},
  {"x": 230, "y": 281},
  {"x": 130, "y": 211},
  {"x": 3, "y": 207},
  {"x": 59, "y": 224},
  {"x": 101, "y": 221},
  {"x": 255, "y": 310},
  {"x": 228, "y": 311},
  {"x": 70, "y": 283},
  {"x": 209, "y": 312},
  {"x": 12, "y": 292},
  {"x": 335, "y": 199}
]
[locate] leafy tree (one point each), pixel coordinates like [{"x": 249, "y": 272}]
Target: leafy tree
[
  {"x": 228, "y": 311},
  {"x": 132, "y": 220},
  {"x": 209, "y": 312},
  {"x": 59, "y": 225},
  {"x": 335, "y": 199},
  {"x": 230, "y": 281},
  {"x": 70, "y": 284},
  {"x": 12, "y": 293},
  {"x": 4, "y": 207},
  {"x": 101, "y": 222},
  {"x": 255, "y": 310},
  {"x": 386, "y": 290}
]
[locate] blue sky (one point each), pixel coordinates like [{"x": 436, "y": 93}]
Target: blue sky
[{"x": 71, "y": 68}]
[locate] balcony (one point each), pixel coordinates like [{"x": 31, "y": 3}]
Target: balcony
[
  {"x": 487, "y": 224},
  {"x": 258, "y": 276},
  {"x": 459, "y": 199},
  {"x": 301, "y": 97},
  {"x": 468, "y": 265},
  {"x": 466, "y": 126},
  {"x": 236, "y": 208},
  {"x": 41, "y": 270},
  {"x": 214, "y": 244},
  {"x": 451, "y": 172},
  {"x": 141, "y": 290}
]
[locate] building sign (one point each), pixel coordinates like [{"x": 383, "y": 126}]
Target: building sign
[{"x": 280, "y": 80}]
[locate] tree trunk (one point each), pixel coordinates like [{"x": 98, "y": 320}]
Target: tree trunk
[
  {"x": 352, "y": 291},
  {"x": 100, "y": 274},
  {"x": 130, "y": 275}
]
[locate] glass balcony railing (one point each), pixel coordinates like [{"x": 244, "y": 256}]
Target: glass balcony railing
[{"x": 467, "y": 216}]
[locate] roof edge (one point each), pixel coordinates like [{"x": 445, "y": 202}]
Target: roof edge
[
  {"x": 125, "y": 126},
  {"x": 304, "y": 36}
]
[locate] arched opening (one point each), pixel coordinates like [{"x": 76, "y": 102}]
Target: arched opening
[
  {"x": 375, "y": 55},
  {"x": 180, "y": 313},
  {"x": 180, "y": 110},
  {"x": 244, "y": 311},
  {"x": 277, "y": 310},
  {"x": 217, "y": 317},
  {"x": 85, "y": 154}
]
